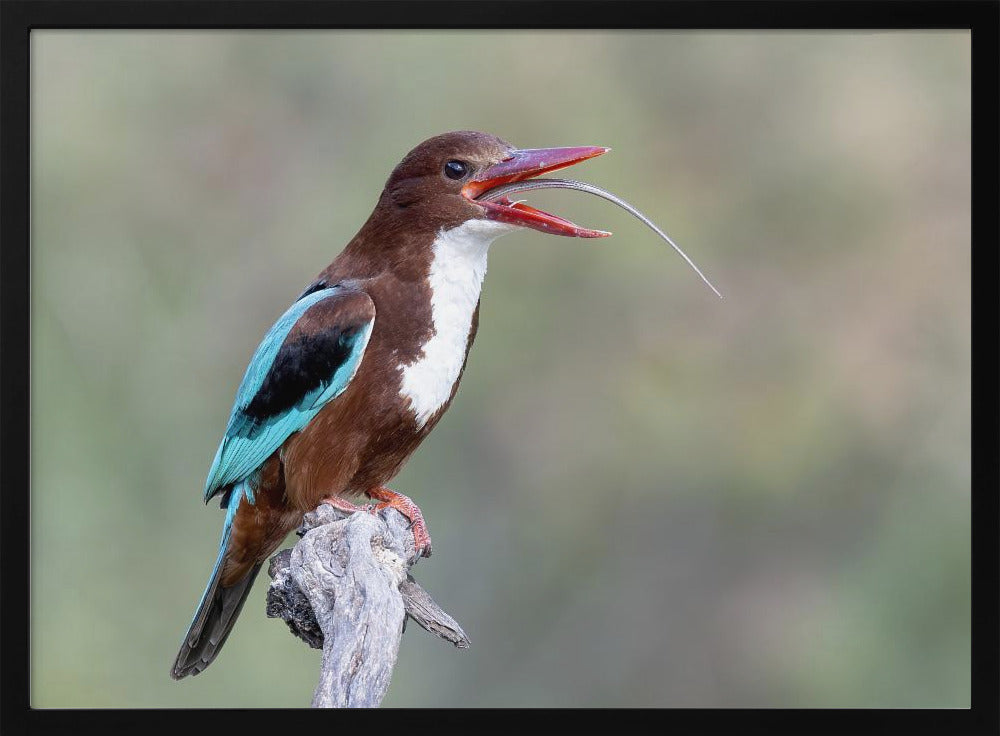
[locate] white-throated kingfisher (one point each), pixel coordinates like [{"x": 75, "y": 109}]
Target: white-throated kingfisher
[{"x": 361, "y": 367}]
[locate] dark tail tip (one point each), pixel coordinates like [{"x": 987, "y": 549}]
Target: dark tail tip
[{"x": 212, "y": 623}]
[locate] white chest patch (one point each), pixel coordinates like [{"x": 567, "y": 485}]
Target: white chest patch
[{"x": 456, "y": 279}]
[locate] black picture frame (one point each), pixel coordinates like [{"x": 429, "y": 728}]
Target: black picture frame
[{"x": 19, "y": 18}]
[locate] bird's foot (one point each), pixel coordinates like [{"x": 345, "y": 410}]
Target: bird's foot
[
  {"x": 342, "y": 504},
  {"x": 387, "y": 498}
]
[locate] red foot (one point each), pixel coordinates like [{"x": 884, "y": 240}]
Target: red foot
[
  {"x": 343, "y": 504},
  {"x": 407, "y": 508}
]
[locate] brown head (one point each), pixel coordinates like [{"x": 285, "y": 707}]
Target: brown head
[{"x": 437, "y": 185}]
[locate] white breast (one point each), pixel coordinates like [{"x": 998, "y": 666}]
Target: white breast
[{"x": 456, "y": 278}]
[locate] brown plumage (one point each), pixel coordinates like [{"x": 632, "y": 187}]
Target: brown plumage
[{"x": 360, "y": 439}]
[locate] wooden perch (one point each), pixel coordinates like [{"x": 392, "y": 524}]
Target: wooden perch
[{"x": 345, "y": 588}]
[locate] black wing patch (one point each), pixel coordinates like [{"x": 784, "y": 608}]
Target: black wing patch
[{"x": 303, "y": 364}]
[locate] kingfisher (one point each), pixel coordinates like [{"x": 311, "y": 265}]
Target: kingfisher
[{"x": 360, "y": 368}]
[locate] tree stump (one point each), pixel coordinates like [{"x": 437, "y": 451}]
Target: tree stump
[{"x": 345, "y": 588}]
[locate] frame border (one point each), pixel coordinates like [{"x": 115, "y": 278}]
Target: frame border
[{"x": 19, "y": 17}]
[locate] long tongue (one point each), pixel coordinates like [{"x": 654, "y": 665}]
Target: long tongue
[{"x": 581, "y": 186}]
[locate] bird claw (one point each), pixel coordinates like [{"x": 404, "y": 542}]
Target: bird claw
[
  {"x": 421, "y": 540},
  {"x": 405, "y": 506},
  {"x": 391, "y": 499},
  {"x": 341, "y": 504}
]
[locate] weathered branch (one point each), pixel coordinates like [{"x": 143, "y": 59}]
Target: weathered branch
[{"x": 345, "y": 588}]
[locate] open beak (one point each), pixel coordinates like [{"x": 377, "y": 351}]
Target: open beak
[{"x": 526, "y": 164}]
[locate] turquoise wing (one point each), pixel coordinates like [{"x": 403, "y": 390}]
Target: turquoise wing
[{"x": 306, "y": 360}]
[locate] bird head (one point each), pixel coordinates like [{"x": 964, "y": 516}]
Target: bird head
[{"x": 445, "y": 180}]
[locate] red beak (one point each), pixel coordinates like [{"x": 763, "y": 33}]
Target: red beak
[{"x": 526, "y": 164}]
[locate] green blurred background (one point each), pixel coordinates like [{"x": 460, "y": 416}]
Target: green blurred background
[{"x": 643, "y": 495}]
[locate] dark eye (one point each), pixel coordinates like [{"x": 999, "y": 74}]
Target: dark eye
[{"x": 456, "y": 169}]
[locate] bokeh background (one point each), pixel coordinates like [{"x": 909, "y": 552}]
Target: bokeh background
[{"x": 643, "y": 495}]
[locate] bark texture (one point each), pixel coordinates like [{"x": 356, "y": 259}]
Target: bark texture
[{"x": 345, "y": 588}]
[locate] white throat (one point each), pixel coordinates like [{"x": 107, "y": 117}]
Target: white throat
[{"x": 456, "y": 276}]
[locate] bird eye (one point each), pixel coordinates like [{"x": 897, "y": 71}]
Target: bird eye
[{"x": 456, "y": 169}]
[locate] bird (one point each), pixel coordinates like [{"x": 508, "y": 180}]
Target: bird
[{"x": 353, "y": 376}]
